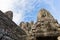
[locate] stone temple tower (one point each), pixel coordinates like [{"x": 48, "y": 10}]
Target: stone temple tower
[
  {"x": 43, "y": 13},
  {"x": 9, "y": 14},
  {"x": 45, "y": 28}
]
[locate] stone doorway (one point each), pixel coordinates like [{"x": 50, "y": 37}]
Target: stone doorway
[{"x": 47, "y": 38}]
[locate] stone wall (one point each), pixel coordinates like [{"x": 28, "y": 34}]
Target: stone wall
[{"x": 9, "y": 30}]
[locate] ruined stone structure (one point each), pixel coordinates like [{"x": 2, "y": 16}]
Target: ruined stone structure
[
  {"x": 45, "y": 28},
  {"x": 9, "y": 14},
  {"x": 8, "y": 29}
]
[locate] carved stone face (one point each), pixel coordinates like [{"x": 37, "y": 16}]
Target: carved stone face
[
  {"x": 9, "y": 14},
  {"x": 43, "y": 14}
]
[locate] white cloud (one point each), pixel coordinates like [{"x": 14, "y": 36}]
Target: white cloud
[
  {"x": 18, "y": 17},
  {"x": 5, "y": 5},
  {"x": 18, "y": 8},
  {"x": 21, "y": 7}
]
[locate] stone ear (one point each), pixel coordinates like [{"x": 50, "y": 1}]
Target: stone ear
[{"x": 9, "y": 14}]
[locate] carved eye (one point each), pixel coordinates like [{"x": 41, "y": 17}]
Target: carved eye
[{"x": 43, "y": 15}]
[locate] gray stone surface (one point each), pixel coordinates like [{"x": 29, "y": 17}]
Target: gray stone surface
[
  {"x": 9, "y": 14},
  {"x": 9, "y": 30}
]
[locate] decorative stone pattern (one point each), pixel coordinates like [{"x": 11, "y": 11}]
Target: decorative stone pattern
[{"x": 45, "y": 25}]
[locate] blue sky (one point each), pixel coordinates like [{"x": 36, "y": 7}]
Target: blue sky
[{"x": 27, "y": 10}]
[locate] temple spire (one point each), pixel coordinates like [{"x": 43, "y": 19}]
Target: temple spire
[{"x": 43, "y": 13}]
